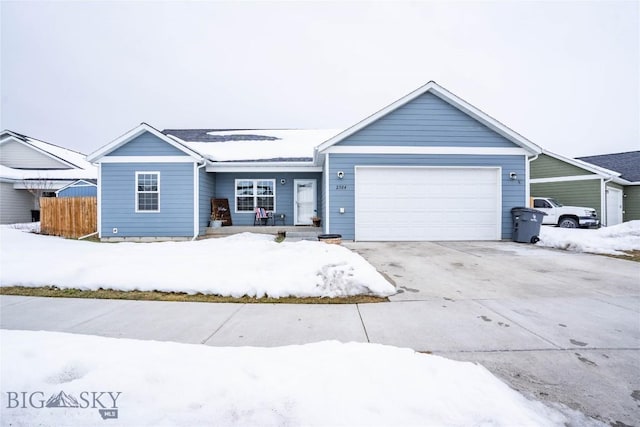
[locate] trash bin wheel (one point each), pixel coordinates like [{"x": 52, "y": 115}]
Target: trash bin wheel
[{"x": 535, "y": 239}]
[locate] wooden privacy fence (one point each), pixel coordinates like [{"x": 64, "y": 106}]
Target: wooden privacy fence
[{"x": 71, "y": 217}]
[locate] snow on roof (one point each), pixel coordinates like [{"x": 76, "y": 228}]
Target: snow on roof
[
  {"x": 253, "y": 144},
  {"x": 83, "y": 169}
]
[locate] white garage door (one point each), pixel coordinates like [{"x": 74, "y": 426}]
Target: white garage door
[{"x": 427, "y": 203}]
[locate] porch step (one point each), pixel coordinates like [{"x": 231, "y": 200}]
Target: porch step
[
  {"x": 296, "y": 236},
  {"x": 292, "y": 232}
]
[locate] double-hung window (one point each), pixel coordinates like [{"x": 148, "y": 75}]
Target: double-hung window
[
  {"x": 147, "y": 191},
  {"x": 255, "y": 193}
]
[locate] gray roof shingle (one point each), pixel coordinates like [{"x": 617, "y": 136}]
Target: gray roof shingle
[
  {"x": 202, "y": 135},
  {"x": 627, "y": 164}
]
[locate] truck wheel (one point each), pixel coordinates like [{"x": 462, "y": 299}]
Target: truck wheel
[
  {"x": 535, "y": 239},
  {"x": 568, "y": 223}
]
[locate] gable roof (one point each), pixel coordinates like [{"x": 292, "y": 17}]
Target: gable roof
[
  {"x": 627, "y": 164},
  {"x": 81, "y": 182},
  {"x": 448, "y": 97},
  {"x": 603, "y": 172},
  {"x": 253, "y": 145},
  {"x": 135, "y": 132},
  {"x": 70, "y": 158}
]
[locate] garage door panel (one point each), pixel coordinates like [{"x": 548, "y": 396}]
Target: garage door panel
[{"x": 427, "y": 203}]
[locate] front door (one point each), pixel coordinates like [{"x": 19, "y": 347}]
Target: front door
[
  {"x": 614, "y": 206},
  {"x": 304, "y": 201}
]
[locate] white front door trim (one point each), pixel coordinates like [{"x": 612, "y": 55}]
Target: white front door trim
[{"x": 298, "y": 209}]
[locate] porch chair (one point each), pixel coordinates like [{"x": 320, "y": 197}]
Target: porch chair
[{"x": 261, "y": 218}]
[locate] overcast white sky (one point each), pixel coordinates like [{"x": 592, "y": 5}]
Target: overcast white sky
[{"x": 566, "y": 75}]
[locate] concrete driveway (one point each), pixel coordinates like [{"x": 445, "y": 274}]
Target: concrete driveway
[{"x": 557, "y": 326}]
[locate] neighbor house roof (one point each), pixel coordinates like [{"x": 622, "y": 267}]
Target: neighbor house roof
[
  {"x": 73, "y": 164},
  {"x": 71, "y": 158},
  {"x": 253, "y": 145},
  {"x": 627, "y": 164}
]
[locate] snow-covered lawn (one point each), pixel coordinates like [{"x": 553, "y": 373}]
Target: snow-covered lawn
[
  {"x": 607, "y": 240},
  {"x": 244, "y": 264},
  {"x": 321, "y": 384}
]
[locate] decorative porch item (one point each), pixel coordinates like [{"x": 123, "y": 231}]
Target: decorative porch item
[{"x": 220, "y": 211}]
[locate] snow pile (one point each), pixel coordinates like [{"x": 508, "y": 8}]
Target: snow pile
[
  {"x": 244, "y": 264},
  {"x": 319, "y": 384},
  {"x": 609, "y": 240}
]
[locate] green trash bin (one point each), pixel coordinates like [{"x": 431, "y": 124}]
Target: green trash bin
[{"x": 526, "y": 224}]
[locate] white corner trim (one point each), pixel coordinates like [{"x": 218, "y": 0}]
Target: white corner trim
[
  {"x": 147, "y": 159},
  {"x": 527, "y": 181},
  {"x": 565, "y": 179},
  {"x": 327, "y": 225},
  {"x": 484, "y": 151}
]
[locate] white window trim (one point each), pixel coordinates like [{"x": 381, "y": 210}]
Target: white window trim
[
  {"x": 255, "y": 194},
  {"x": 138, "y": 173}
]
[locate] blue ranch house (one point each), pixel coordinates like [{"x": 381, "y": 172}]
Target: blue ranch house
[{"x": 430, "y": 166}]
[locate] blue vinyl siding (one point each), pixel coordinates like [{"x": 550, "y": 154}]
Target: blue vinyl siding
[
  {"x": 513, "y": 192},
  {"x": 427, "y": 121},
  {"x": 79, "y": 190},
  {"x": 207, "y": 192},
  {"x": 147, "y": 145},
  {"x": 175, "y": 218},
  {"x": 225, "y": 188}
]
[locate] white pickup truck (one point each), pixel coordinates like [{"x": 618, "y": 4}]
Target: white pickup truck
[{"x": 565, "y": 216}]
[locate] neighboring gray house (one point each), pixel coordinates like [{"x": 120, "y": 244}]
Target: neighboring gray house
[
  {"x": 628, "y": 166},
  {"x": 430, "y": 166},
  {"x": 30, "y": 168}
]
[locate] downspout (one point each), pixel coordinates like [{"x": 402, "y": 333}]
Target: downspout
[
  {"x": 527, "y": 185},
  {"x": 196, "y": 199}
]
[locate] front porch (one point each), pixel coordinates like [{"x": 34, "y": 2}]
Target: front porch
[{"x": 288, "y": 230}]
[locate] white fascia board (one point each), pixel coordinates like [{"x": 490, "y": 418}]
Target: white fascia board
[
  {"x": 485, "y": 151},
  {"x": 603, "y": 172},
  {"x": 133, "y": 133},
  {"x": 624, "y": 182},
  {"x": 268, "y": 167},
  {"x": 39, "y": 150},
  {"x": 147, "y": 159},
  {"x": 448, "y": 97},
  {"x": 565, "y": 179}
]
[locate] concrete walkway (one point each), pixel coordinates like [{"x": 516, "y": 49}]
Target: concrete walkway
[{"x": 556, "y": 326}]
